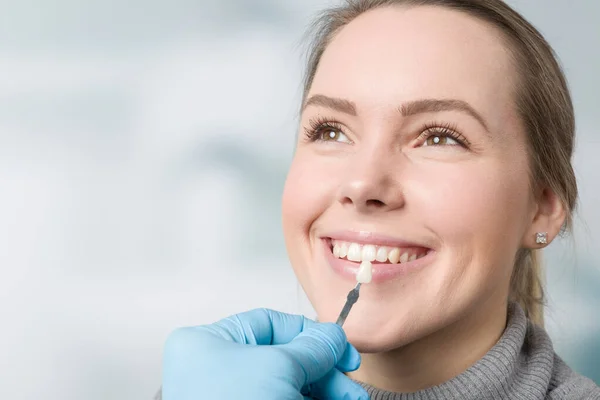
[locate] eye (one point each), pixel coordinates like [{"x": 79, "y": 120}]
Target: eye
[
  {"x": 326, "y": 131},
  {"x": 442, "y": 135},
  {"x": 333, "y": 135},
  {"x": 436, "y": 140}
]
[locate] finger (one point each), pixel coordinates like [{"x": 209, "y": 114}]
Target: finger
[
  {"x": 316, "y": 351},
  {"x": 350, "y": 361},
  {"x": 337, "y": 386},
  {"x": 260, "y": 327},
  {"x": 268, "y": 327}
]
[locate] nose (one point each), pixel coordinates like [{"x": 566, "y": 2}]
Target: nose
[{"x": 372, "y": 183}]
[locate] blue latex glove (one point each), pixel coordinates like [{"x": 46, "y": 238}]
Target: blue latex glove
[{"x": 261, "y": 354}]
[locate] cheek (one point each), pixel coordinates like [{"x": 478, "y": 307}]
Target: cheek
[
  {"x": 477, "y": 211},
  {"x": 474, "y": 203},
  {"x": 307, "y": 194},
  {"x": 302, "y": 195}
]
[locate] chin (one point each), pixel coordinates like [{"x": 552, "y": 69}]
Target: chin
[
  {"x": 375, "y": 330},
  {"x": 368, "y": 345}
]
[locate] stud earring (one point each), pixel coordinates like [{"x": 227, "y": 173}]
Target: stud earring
[{"x": 541, "y": 238}]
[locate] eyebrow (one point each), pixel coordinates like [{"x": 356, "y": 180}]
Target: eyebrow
[
  {"x": 407, "y": 109},
  {"x": 341, "y": 105},
  {"x": 436, "y": 105}
]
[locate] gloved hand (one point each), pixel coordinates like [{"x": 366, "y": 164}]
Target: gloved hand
[{"x": 261, "y": 354}]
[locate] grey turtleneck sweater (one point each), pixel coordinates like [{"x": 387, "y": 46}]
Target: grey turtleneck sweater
[{"x": 522, "y": 365}]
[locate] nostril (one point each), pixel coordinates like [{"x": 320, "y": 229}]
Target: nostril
[
  {"x": 346, "y": 200},
  {"x": 375, "y": 203}
]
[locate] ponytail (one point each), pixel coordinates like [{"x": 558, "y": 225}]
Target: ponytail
[{"x": 527, "y": 285}]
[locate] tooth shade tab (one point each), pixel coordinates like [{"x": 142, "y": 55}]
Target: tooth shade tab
[
  {"x": 365, "y": 272},
  {"x": 357, "y": 252}
]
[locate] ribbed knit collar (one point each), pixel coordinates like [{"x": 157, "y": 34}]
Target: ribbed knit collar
[{"x": 519, "y": 366}]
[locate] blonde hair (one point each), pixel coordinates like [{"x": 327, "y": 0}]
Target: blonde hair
[{"x": 542, "y": 100}]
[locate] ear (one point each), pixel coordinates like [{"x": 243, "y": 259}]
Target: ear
[{"x": 549, "y": 217}]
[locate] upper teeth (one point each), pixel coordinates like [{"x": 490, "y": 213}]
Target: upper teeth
[{"x": 368, "y": 252}]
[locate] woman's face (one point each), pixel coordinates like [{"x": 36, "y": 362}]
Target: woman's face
[{"x": 409, "y": 142}]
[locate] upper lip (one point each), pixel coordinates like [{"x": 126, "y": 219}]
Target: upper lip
[{"x": 367, "y": 237}]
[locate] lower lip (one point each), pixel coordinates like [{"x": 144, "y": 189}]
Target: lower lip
[{"x": 381, "y": 272}]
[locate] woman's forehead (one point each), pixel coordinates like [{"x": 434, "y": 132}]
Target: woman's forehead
[{"x": 392, "y": 55}]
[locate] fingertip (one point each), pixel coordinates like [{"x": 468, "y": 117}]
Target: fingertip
[
  {"x": 354, "y": 391},
  {"x": 318, "y": 349},
  {"x": 334, "y": 328},
  {"x": 336, "y": 386},
  {"x": 358, "y": 392},
  {"x": 350, "y": 360},
  {"x": 334, "y": 332}
]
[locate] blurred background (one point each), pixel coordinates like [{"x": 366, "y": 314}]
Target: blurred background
[{"x": 143, "y": 150}]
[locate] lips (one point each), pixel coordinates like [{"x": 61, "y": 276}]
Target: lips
[{"x": 390, "y": 258}]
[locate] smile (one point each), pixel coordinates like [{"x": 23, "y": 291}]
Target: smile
[
  {"x": 388, "y": 261},
  {"x": 358, "y": 252}
]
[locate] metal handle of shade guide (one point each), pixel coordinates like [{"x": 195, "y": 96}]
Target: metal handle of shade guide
[{"x": 350, "y": 300}]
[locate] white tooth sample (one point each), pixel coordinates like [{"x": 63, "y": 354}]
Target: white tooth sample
[
  {"x": 382, "y": 254},
  {"x": 404, "y": 257},
  {"x": 365, "y": 272},
  {"x": 354, "y": 252},
  {"x": 369, "y": 252},
  {"x": 413, "y": 257},
  {"x": 343, "y": 249},
  {"x": 394, "y": 256},
  {"x": 336, "y": 250}
]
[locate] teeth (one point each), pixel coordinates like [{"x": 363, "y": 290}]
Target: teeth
[
  {"x": 394, "y": 256},
  {"x": 382, "y": 254},
  {"x": 354, "y": 252},
  {"x": 404, "y": 257},
  {"x": 336, "y": 251},
  {"x": 369, "y": 253},
  {"x": 343, "y": 250}
]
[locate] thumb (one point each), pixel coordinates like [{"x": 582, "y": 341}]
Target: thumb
[{"x": 317, "y": 350}]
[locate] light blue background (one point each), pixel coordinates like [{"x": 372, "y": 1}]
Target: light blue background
[{"x": 143, "y": 149}]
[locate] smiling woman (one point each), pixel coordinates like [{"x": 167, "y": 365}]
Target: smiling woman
[{"x": 436, "y": 143}]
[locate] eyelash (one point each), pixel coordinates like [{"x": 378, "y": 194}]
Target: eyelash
[
  {"x": 320, "y": 125},
  {"x": 445, "y": 130}
]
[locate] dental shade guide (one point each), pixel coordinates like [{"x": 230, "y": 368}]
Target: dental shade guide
[
  {"x": 351, "y": 299},
  {"x": 363, "y": 275}
]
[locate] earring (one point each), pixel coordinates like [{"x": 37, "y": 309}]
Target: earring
[{"x": 541, "y": 237}]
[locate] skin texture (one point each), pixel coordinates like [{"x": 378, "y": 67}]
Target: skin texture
[{"x": 472, "y": 206}]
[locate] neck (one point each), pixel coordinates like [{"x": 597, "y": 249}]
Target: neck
[{"x": 438, "y": 357}]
